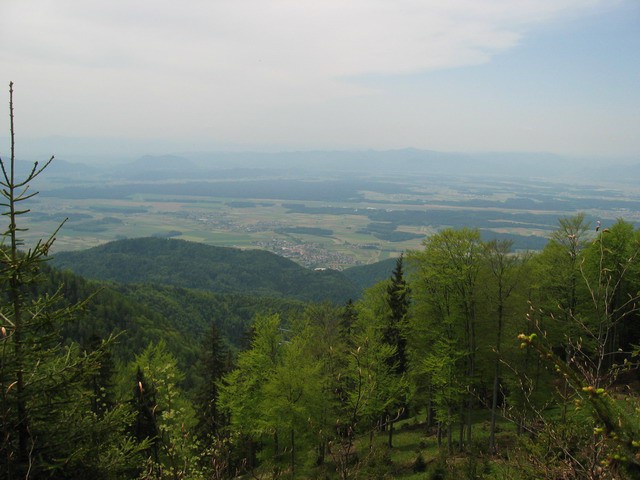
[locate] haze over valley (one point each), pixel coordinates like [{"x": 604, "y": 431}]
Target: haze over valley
[{"x": 327, "y": 209}]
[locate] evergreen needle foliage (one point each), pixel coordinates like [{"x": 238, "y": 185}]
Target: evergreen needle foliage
[{"x": 54, "y": 421}]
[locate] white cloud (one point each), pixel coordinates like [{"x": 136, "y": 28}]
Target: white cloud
[
  {"x": 330, "y": 37},
  {"x": 155, "y": 67}
]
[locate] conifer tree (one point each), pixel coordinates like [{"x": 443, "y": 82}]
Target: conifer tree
[
  {"x": 165, "y": 416},
  {"x": 394, "y": 334},
  {"x": 348, "y": 318},
  {"x": 215, "y": 363},
  {"x": 398, "y": 299},
  {"x": 47, "y": 423},
  {"x": 145, "y": 408}
]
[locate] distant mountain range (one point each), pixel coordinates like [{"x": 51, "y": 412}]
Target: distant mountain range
[{"x": 220, "y": 165}]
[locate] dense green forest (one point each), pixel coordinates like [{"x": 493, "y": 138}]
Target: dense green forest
[
  {"x": 467, "y": 361},
  {"x": 143, "y": 313},
  {"x": 218, "y": 269}
]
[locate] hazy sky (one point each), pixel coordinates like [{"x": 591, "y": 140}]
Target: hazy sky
[{"x": 558, "y": 76}]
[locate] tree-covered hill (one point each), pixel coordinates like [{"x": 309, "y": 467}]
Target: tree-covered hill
[
  {"x": 143, "y": 313},
  {"x": 217, "y": 269},
  {"x": 366, "y": 276}
]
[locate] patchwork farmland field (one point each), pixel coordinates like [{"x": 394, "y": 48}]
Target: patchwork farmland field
[{"x": 320, "y": 222}]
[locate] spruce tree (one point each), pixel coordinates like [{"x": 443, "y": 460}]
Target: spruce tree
[
  {"x": 395, "y": 336},
  {"x": 398, "y": 299},
  {"x": 47, "y": 424},
  {"x": 215, "y": 363}
]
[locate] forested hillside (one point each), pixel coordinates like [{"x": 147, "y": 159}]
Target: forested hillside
[
  {"x": 365, "y": 276},
  {"x": 204, "y": 267},
  {"x": 140, "y": 314},
  {"x": 527, "y": 362},
  {"x": 506, "y": 365}
]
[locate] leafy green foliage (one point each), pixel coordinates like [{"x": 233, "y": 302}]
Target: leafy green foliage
[{"x": 447, "y": 276}]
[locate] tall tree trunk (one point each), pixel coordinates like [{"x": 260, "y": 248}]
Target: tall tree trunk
[
  {"x": 15, "y": 298},
  {"x": 293, "y": 454},
  {"x": 430, "y": 412},
  {"x": 321, "y": 452},
  {"x": 494, "y": 406},
  {"x": 496, "y": 377},
  {"x": 472, "y": 371},
  {"x": 463, "y": 422},
  {"x": 450, "y": 433}
]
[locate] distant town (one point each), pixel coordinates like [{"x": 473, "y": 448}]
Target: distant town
[{"x": 311, "y": 255}]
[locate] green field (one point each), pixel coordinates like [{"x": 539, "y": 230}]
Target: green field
[
  {"x": 212, "y": 222},
  {"x": 381, "y": 220}
]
